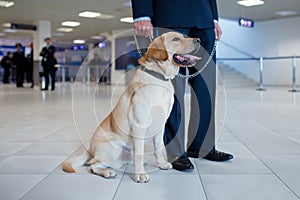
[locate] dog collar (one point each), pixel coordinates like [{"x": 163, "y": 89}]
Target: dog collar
[{"x": 153, "y": 73}]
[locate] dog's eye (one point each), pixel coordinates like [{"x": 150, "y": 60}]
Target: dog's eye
[{"x": 176, "y": 39}]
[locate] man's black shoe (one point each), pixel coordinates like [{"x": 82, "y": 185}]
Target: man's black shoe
[
  {"x": 218, "y": 156},
  {"x": 44, "y": 89},
  {"x": 182, "y": 163}
]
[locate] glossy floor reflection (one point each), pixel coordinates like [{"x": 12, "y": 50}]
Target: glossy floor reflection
[{"x": 38, "y": 130}]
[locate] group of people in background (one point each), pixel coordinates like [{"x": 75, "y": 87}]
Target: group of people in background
[{"x": 17, "y": 67}]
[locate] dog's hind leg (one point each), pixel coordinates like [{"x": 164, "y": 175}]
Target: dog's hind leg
[
  {"x": 92, "y": 161},
  {"x": 70, "y": 164},
  {"x": 102, "y": 170}
]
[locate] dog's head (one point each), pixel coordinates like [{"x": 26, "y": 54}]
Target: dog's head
[{"x": 170, "y": 51}]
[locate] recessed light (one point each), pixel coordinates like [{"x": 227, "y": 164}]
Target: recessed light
[
  {"x": 78, "y": 41},
  {"x": 89, "y": 14},
  {"x": 127, "y": 19},
  {"x": 70, "y": 23},
  {"x": 2, "y": 34},
  {"x": 249, "y": 3},
  {"x": 63, "y": 29},
  {"x": 286, "y": 13},
  {"x": 6, "y": 4}
]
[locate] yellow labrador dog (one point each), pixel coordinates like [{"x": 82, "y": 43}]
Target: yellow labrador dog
[{"x": 140, "y": 113}]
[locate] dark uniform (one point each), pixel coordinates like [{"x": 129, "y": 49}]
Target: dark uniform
[
  {"x": 194, "y": 18},
  {"x": 48, "y": 63},
  {"x": 20, "y": 62},
  {"x": 6, "y": 65}
]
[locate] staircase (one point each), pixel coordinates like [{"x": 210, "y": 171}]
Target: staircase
[{"x": 232, "y": 78}]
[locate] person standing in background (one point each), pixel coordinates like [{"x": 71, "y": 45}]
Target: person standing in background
[
  {"x": 48, "y": 63},
  {"x": 19, "y": 61},
  {"x": 196, "y": 19},
  {"x": 6, "y": 65},
  {"x": 29, "y": 69},
  {"x": 94, "y": 66}
]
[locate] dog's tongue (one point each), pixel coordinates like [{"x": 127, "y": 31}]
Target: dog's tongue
[{"x": 192, "y": 58}]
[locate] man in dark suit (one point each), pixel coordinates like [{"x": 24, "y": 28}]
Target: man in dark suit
[
  {"x": 48, "y": 63},
  {"x": 20, "y": 62},
  {"x": 6, "y": 65},
  {"x": 197, "y": 19}
]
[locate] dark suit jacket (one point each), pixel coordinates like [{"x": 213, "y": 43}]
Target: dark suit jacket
[
  {"x": 6, "y": 62},
  {"x": 48, "y": 57},
  {"x": 177, "y": 13},
  {"x": 19, "y": 60}
]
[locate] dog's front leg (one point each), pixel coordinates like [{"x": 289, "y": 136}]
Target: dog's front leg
[
  {"x": 160, "y": 152},
  {"x": 140, "y": 176}
]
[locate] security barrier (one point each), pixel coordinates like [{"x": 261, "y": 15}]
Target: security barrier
[{"x": 261, "y": 61}]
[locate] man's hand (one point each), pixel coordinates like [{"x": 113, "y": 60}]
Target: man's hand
[
  {"x": 143, "y": 28},
  {"x": 218, "y": 31}
]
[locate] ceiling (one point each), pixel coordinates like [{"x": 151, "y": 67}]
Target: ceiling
[
  {"x": 57, "y": 11},
  {"x": 229, "y": 9}
]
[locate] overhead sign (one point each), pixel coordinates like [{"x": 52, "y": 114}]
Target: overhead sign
[{"x": 23, "y": 26}]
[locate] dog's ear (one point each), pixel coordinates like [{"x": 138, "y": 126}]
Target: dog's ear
[{"x": 156, "y": 51}]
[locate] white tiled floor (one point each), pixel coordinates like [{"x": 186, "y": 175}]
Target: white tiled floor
[{"x": 38, "y": 131}]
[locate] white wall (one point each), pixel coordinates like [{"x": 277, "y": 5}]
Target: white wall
[{"x": 266, "y": 39}]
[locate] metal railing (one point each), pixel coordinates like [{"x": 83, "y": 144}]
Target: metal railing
[{"x": 261, "y": 68}]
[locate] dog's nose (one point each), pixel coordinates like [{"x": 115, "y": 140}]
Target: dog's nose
[{"x": 196, "y": 40}]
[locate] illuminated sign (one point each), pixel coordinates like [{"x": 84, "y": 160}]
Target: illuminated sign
[{"x": 246, "y": 22}]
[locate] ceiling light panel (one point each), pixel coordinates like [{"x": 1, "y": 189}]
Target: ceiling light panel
[
  {"x": 78, "y": 41},
  {"x": 58, "y": 34},
  {"x": 249, "y": 3},
  {"x": 89, "y": 14},
  {"x": 70, "y": 23},
  {"x": 6, "y": 4},
  {"x": 127, "y": 19},
  {"x": 97, "y": 37},
  {"x": 63, "y": 29},
  {"x": 286, "y": 13}
]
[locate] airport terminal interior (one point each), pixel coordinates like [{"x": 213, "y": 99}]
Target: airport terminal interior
[{"x": 257, "y": 103}]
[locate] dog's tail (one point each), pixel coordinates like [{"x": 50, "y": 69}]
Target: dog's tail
[{"x": 70, "y": 164}]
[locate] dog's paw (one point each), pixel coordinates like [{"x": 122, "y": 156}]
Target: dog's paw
[
  {"x": 109, "y": 173},
  {"x": 104, "y": 172},
  {"x": 141, "y": 178},
  {"x": 164, "y": 165}
]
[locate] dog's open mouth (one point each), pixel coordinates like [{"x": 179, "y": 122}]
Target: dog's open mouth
[{"x": 186, "y": 59}]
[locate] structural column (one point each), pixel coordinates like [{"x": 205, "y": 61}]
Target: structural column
[{"x": 43, "y": 31}]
